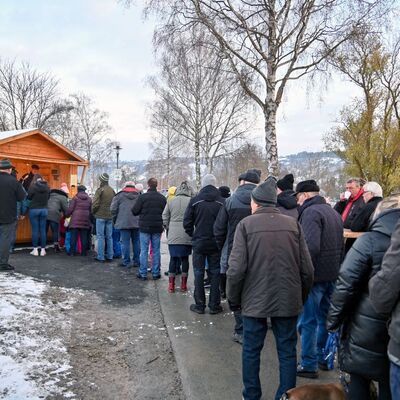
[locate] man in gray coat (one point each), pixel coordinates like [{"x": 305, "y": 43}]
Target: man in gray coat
[
  {"x": 270, "y": 274},
  {"x": 384, "y": 291}
]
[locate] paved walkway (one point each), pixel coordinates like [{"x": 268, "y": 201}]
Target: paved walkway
[{"x": 208, "y": 360}]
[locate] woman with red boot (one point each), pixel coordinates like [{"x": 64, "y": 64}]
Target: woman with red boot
[{"x": 179, "y": 242}]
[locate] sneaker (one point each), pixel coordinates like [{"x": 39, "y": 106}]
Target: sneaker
[
  {"x": 216, "y": 310},
  {"x": 35, "y": 252},
  {"x": 123, "y": 265},
  {"x": 305, "y": 373},
  {"x": 98, "y": 260},
  {"x": 109, "y": 260},
  {"x": 238, "y": 338},
  {"x": 42, "y": 252},
  {"x": 142, "y": 278},
  {"x": 156, "y": 277},
  {"x": 6, "y": 267},
  {"x": 196, "y": 309},
  {"x": 323, "y": 366}
]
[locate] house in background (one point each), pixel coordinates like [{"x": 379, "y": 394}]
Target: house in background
[{"x": 57, "y": 163}]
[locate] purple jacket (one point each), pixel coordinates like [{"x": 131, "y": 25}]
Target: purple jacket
[{"x": 79, "y": 211}]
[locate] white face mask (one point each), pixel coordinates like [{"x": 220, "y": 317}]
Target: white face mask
[{"x": 347, "y": 194}]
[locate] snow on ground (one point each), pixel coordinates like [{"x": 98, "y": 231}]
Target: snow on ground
[{"x": 34, "y": 328}]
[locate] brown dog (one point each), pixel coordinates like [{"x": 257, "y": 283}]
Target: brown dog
[{"x": 329, "y": 391}]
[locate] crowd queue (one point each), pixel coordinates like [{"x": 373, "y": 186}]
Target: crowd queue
[{"x": 276, "y": 252}]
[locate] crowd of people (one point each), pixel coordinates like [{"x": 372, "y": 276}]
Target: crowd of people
[{"x": 277, "y": 252}]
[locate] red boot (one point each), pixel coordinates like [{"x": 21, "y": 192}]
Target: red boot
[
  {"x": 184, "y": 284},
  {"x": 171, "y": 286}
]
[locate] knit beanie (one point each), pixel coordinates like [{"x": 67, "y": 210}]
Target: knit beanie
[
  {"x": 209, "y": 179},
  {"x": 64, "y": 188},
  {"x": 225, "y": 191},
  {"x": 251, "y": 175},
  {"x": 286, "y": 183},
  {"x": 104, "y": 177},
  {"x": 81, "y": 188},
  {"x": 265, "y": 194}
]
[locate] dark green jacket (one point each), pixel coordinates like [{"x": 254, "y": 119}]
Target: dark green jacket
[{"x": 102, "y": 202}]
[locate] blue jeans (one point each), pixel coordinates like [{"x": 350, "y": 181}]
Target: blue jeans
[
  {"x": 38, "y": 219},
  {"x": 395, "y": 381},
  {"x": 104, "y": 230},
  {"x": 199, "y": 264},
  {"x": 128, "y": 236},
  {"x": 311, "y": 325},
  {"x": 54, "y": 227},
  {"x": 145, "y": 239},
  {"x": 116, "y": 235},
  {"x": 254, "y": 333}
]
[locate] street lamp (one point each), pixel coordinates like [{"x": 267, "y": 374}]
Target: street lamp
[{"x": 117, "y": 148}]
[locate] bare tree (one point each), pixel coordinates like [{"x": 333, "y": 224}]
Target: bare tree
[
  {"x": 199, "y": 99},
  {"x": 270, "y": 43},
  {"x": 28, "y": 98}
]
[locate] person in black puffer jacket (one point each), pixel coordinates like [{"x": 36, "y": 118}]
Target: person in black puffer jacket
[
  {"x": 323, "y": 231},
  {"x": 198, "y": 223},
  {"x": 149, "y": 207},
  {"x": 235, "y": 209},
  {"x": 287, "y": 203},
  {"x": 364, "y": 335},
  {"x": 38, "y": 195}
]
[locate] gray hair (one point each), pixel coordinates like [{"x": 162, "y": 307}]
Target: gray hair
[{"x": 374, "y": 188}]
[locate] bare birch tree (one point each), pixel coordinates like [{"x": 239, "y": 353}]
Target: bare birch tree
[
  {"x": 199, "y": 99},
  {"x": 270, "y": 43},
  {"x": 28, "y": 98}
]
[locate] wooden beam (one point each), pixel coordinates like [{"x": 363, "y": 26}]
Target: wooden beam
[{"x": 44, "y": 160}]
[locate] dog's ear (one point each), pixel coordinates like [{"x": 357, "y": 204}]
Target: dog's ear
[{"x": 284, "y": 397}]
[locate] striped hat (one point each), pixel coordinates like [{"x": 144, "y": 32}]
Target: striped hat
[{"x": 104, "y": 177}]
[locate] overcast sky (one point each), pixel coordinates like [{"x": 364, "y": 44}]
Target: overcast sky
[{"x": 105, "y": 50}]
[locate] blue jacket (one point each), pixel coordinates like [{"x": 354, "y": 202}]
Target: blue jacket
[{"x": 323, "y": 231}]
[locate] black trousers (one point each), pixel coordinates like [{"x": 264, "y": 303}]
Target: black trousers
[{"x": 176, "y": 262}]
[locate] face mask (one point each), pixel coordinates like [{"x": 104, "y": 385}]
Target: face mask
[{"x": 347, "y": 194}]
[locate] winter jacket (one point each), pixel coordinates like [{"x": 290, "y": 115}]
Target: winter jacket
[
  {"x": 121, "y": 209},
  {"x": 323, "y": 231},
  {"x": 79, "y": 210},
  {"x": 270, "y": 269},
  {"x": 173, "y": 215},
  {"x": 102, "y": 202},
  {"x": 287, "y": 203},
  {"x": 384, "y": 292},
  {"x": 364, "y": 336},
  {"x": 362, "y": 220},
  {"x": 149, "y": 207},
  {"x": 357, "y": 203},
  {"x": 200, "y": 217},
  {"x": 11, "y": 192},
  {"x": 57, "y": 205},
  {"x": 235, "y": 209},
  {"x": 38, "y": 195}
]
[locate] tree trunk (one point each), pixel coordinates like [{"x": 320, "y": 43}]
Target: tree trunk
[
  {"x": 197, "y": 161},
  {"x": 271, "y": 145}
]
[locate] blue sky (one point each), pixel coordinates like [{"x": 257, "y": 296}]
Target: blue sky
[{"x": 105, "y": 50}]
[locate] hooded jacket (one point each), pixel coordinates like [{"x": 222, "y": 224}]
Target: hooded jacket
[
  {"x": 57, "y": 205},
  {"x": 173, "y": 215},
  {"x": 149, "y": 207},
  {"x": 38, "y": 195},
  {"x": 11, "y": 192},
  {"x": 235, "y": 209},
  {"x": 79, "y": 210},
  {"x": 323, "y": 231},
  {"x": 200, "y": 217},
  {"x": 364, "y": 337},
  {"x": 121, "y": 209},
  {"x": 102, "y": 202},
  {"x": 384, "y": 291},
  {"x": 270, "y": 269},
  {"x": 287, "y": 203}
]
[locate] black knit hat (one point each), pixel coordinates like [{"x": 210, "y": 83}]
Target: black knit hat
[
  {"x": 307, "y": 186},
  {"x": 81, "y": 188},
  {"x": 224, "y": 191},
  {"x": 251, "y": 175},
  {"x": 286, "y": 183},
  {"x": 265, "y": 194}
]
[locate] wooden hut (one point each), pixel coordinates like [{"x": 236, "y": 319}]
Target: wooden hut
[{"x": 57, "y": 163}]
